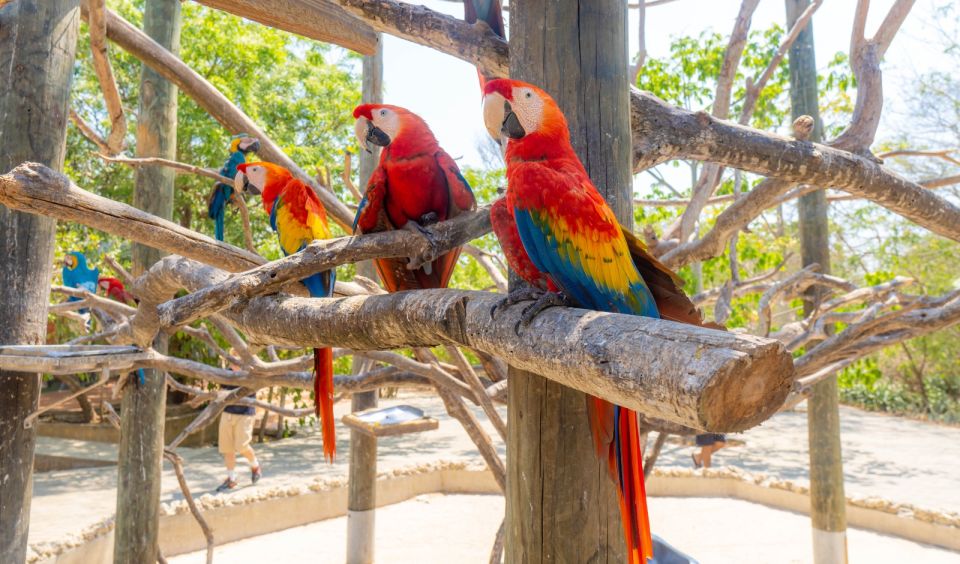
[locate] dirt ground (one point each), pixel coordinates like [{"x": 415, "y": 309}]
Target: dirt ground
[{"x": 897, "y": 459}]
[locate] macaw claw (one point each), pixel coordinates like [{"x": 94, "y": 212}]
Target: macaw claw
[
  {"x": 525, "y": 294},
  {"x": 547, "y": 300},
  {"x": 424, "y": 261}
]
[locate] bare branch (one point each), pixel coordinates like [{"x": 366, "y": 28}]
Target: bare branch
[
  {"x": 168, "y": 65},
  {"x": 347, "y": 176},
  {"x": 88, "y": 131},
  {"x": 324, "y": 255},
  {"x": 97, "y": 24},
  {"x": 177, "y": 463},
  {"x": 177, "y": 166},
  {"x": 485, "y": 262}
]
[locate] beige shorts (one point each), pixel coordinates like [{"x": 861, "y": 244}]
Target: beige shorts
[{"x": 236, "y": 432}]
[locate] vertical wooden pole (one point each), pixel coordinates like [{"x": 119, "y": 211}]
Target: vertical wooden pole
[
  {"x": 140, "y": 457},
  {"x": 561, "y": 503},
  {"x": 827, "y": 499},
  {"x": 38, "y": 40},
  {"x": 362, "y": 495}
]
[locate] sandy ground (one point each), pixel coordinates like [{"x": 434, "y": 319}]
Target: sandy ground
[
  {"x": 461, "y": 529},
  {"x": 898, "y": 459}
]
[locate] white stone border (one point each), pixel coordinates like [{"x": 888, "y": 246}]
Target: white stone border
[{"x": 238, "y": 516}]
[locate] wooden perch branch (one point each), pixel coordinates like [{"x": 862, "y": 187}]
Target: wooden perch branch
[
  {"x": 34, "y": 188},
  {"x": 324, "y": 255},
  {"x": 170, "y": 67},
  {"x": 733, "y": 381},
  {"x": 137, "y": 162}
]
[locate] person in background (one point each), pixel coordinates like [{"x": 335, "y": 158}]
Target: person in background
[
  {"x": 709, "y": 443},
  {"x": 234, "y": 436}
]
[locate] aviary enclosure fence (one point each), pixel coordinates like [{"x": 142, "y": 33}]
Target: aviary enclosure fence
[{"x": 682, "y": 379}]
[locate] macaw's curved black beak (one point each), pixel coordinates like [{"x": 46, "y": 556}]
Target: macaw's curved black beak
[
  {"x": 252, "y": 147},
  {"x": 511, "y": 123},
  {"x": 376, "y": 135},
  {"x": 243, "y": 185}
]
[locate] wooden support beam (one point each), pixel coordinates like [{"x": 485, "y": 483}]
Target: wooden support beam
[
  {"x": 38, "y": 40},
  {"x": 827, "y": 498},
  {"x": 362, "y": 497},
  {"x": 314, "y": 19}
]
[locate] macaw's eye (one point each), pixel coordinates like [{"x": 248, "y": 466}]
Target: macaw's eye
[
  {"x": 383, "y": 113},
  {"x": 529, "y": 94}
]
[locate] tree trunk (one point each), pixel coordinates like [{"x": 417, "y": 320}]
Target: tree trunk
[
  {"x": 38, "y": 40},
  {"x": 143, "y": 408},
  {"x": 827, "y": 500},
  {"x": 73, "y": 382},
  {"x": 362, "y": 496},
  {"x": 561, "y": 503}
]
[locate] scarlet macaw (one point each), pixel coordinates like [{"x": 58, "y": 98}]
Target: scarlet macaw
[
  {"x": 114, "y": 289},
  {"x": 76, "y": 274},
  {"x": 298, "y": 217},
  {"x": 240, "y": 145},
  {"x": 415, "y": 185},
  {"x": 570, "y": 239}
]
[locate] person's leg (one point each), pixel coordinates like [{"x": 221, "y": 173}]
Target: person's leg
[
  {"x": 227, "y": 444},
  {"x": 230, "y": 461},
  {"x": 245, "y": 433}
]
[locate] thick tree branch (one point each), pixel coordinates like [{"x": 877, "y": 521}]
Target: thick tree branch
[
  {"x": 662, "y": 132},
  {"x": 631, "y": 361},
  {"x": 34, "y": 188},
  {"x": 324, "y": 255}
]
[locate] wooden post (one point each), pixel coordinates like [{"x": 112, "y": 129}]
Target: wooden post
[
  {"x": 827, "y": 499},
  {"x": 38, "y": 40},
  {"x": 140, "y": 457},
  {"x": 362, "y": 495},
  {"x": 561, "y": 503}
]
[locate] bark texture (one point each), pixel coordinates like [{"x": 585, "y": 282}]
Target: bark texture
[
  {"x": 734, "y": 382},
  {"x": 827, "y": 500},
  {"x": 143, "y": 408},
  {"x": 37, "y": 47},
  {"x": 561, "y": 504},
  {"x": 320, "y": 20}
]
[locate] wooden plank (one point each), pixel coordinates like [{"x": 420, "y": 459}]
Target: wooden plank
[
  {"x": 357, "y": 422},
  {"x": 314, "y": 19},
  {"x": 38, "y": 41}
]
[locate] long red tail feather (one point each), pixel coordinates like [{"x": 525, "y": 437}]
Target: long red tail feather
[
  {"x": 323, "y": 399},
  {"x": 618, "y": 441}
]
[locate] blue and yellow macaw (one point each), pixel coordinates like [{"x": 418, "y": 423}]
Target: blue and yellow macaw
[
  {"x": 240, "y": 145},
  {"x": 298, "y": 217},
  {"x": 76, "y": 274}
]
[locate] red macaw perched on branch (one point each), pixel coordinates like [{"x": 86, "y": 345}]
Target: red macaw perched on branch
[
  {"x": 115, "y": 290},
  {"x": 298, "y": 217},
  {"x": 415, "y": 185},
  {"x": 558, "y": 232}
]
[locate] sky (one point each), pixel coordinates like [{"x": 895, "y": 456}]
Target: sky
[{"x": 444, "y": 90}]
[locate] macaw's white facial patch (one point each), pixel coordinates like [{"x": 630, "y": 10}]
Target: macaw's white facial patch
[
  {"x": 493, "y": 114},
  {"x": 387, "y": 121},
  {"x": 257, "y": 176},
  {"x": 528, "y": 106}
]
